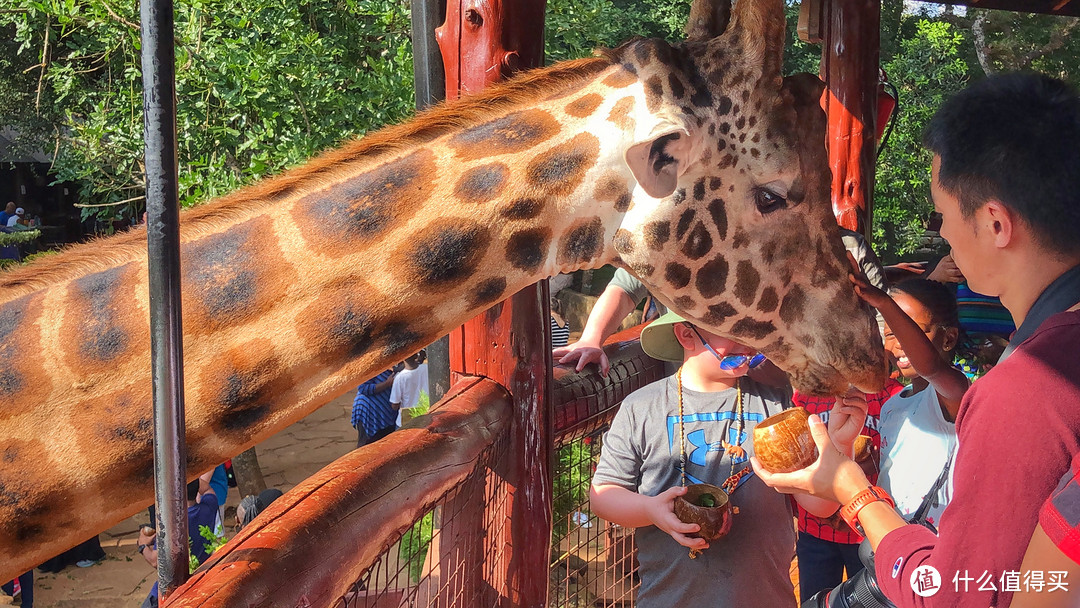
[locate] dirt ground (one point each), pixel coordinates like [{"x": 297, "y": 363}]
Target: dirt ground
[{"x": 124, "y": 578}]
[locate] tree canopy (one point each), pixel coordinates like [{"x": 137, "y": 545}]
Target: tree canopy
[{"x": 263, "y": 85}]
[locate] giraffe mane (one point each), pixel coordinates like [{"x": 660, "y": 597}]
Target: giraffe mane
[{"x": 102, "y": 253}]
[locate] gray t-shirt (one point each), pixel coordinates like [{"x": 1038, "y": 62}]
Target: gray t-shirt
[{"x": 748, "y": 567}]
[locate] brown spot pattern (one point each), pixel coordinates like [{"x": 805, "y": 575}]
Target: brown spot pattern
[
  {"x": 481, "y": 184},
  {"x": 747, "y": 280},
  {"x": 698, "y": 243},
  {"x": 514, "y": 132},
  {"x": 768, "y": 300},
  {"x": 712, "y": 278},
  {"x": 620, "y": 78},
  {"x": 101, "y": 324},
  {"x": 620, "y": 113},
  {"x": 225, "y": 279},
  {"x": 527, "y": 249},
  {"x": 560, "y": 170},
  {"x": 793, "y": 306},
  {"x": 623, "y": 241},
  {"x": 677, "y": 275},
  {"x": 582, "y": 242},
  {"x": 753, "y": 329},
  {"x": 445, "y": 253},
  {"x": 344, "y": 217},
  {"x": 611, "y": 188},
  {"x": 583, "y": 106},
  {"x": 656, "y": 234},
  {"x": 522, "y": 209}
]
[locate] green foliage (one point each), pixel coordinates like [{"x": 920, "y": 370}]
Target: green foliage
[
  {"x": 8, "y": 239},
  {"x": 415, "y": 543},
  {"x": 261, "y": 85},
  {"x": 575, "y": 28},
  {"x": 573, "y": 474},
  {"x": 926, "y": 70},
  {"x": 213, "y": 543}
]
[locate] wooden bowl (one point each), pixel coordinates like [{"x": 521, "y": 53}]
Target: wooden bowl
[
  {"x": 782, "y": 443},
  {"x": 863, "y": 448},
  {"x": 715, "y": 521}
]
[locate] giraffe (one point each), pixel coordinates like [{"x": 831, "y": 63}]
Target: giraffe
[{"x": 695, "y": 165}]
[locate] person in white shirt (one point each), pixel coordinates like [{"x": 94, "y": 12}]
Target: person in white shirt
[{"x": 408, "y": 383}]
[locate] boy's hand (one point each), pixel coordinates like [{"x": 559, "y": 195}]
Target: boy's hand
[
  {"x": 661, "y": 511},
  {"x": 582, "y": 353},
  {"x": 847, "y": 418},
  {"x": 867, "y": 292}
]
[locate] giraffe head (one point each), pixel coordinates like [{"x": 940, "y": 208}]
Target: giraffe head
[{"x": 731, "y": 223}]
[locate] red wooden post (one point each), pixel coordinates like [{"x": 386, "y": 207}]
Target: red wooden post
[
  {"x": 849, "y": 66},
  {"x": 481, "y": 42}
]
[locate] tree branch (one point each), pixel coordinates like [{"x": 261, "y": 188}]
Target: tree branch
[
  {"x": 982, "y": 49},
  {"x": 130, "y": 200},
  {"x": 44, "y": 64},
  {"x": 1057, "y": 40},
  {"x": 134, "y": 26}
]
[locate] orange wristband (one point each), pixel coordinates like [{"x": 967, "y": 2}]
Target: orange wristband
[{"x": 850, "y": 511}]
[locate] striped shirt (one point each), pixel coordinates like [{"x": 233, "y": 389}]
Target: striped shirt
[
  {"x": 816, "y": 526},
  {"x": 373, "y": 409},
  {"x": 560, "y": 336}
]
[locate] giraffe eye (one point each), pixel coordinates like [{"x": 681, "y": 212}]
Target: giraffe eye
[{"x": 768, "y": 201}]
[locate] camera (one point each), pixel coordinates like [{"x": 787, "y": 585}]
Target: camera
[{"x": 859, "y": 591}]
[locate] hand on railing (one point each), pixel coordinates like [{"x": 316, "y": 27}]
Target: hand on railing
[{"x": 582, "y": 353}]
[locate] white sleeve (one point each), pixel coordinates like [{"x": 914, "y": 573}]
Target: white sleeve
[{"x": 395, "y": 389}]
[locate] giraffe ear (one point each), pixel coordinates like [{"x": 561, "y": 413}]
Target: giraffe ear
[{"x": 658, "y": 162}]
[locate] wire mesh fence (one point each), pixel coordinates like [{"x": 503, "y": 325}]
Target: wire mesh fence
[
  {"x": 450, "y": 556},
  {"x": 593, "y": 561}
]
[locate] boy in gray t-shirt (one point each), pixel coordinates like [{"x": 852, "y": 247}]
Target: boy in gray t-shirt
[{"x": 640, "y": 473}]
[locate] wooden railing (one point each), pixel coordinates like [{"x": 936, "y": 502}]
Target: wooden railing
[{"x": 317, "y": 545}]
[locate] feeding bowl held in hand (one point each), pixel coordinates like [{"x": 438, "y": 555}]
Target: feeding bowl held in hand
[
  {"x": 707, "y": 506},
  {"x": 782, "y": 442},
  {"x": 863, "y": 448}
]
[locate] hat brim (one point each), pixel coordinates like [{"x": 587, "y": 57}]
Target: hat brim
[{"x": 658, "y": 338}]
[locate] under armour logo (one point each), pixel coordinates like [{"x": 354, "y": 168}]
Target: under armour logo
[{"x": 702, "y": 447}]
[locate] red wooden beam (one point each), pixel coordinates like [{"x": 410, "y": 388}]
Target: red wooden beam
[
  {"x": 314, "y": 542},
  {"x": 849, "y": 67},
  {"x": 483, "y": 41}
]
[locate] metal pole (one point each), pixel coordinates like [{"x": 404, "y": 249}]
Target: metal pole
[
  {"x": 428, "y": 79},
  {"x": 166, "y": 333},
  {"x": 429, "y": 83}
]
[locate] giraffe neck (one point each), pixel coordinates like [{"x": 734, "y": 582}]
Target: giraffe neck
[{"x": 297, "y": 289}]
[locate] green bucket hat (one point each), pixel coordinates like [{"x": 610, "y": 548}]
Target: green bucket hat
[{"x": 658, "y": 338}]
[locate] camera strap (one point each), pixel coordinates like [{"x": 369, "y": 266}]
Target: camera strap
[{"x": 931, "y": 498}]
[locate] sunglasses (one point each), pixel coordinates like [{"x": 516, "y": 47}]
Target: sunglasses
[{"x": 729, "y": 362}]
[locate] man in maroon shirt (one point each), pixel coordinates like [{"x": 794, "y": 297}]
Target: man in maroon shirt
[{"x": 1006, "y": 180}]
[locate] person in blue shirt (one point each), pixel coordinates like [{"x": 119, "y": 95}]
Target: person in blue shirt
[
  {"x": 202, "y": 507},
  {"x": 372, "y": 415}
]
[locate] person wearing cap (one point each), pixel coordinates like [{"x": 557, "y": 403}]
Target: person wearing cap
[
  {"x": 694, "y": 427},
  {"x": 19, "y": 220}
]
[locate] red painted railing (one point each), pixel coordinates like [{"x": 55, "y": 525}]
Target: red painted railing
[{"x": 421, "y": 517}]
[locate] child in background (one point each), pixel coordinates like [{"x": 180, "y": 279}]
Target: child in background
[
  {"x": 409, "y": 383},
  {"x": 918, "y": 431},
  {"x": 827, "y": 547},
  {"x": 560, "y": 328}
]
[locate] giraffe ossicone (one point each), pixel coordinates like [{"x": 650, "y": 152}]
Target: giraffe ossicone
[{"x": 694, "y": 165}]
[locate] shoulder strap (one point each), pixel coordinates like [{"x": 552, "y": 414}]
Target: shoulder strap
[{"x": 920, "y": 514}]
